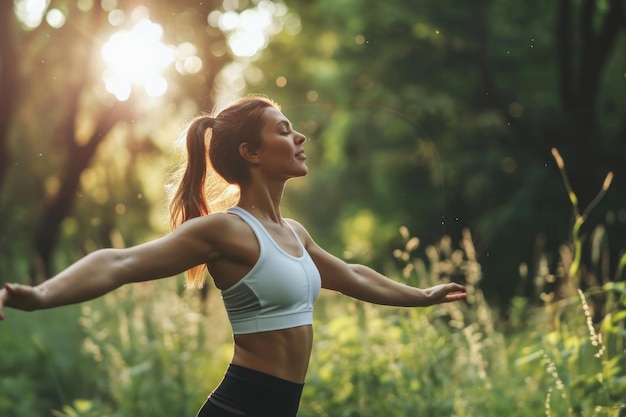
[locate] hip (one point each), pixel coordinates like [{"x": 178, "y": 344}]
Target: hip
[{"x": 245, "y": 392}]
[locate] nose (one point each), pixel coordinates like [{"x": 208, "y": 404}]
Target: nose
[{"x": 300, "y": 138}]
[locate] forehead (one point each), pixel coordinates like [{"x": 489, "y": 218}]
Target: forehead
[{"x": 273, "y": 117}]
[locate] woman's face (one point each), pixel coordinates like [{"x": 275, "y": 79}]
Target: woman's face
[{"x": 281, "y": 153}]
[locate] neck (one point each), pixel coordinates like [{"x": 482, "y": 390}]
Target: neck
[{"x": 262, "y": 200}]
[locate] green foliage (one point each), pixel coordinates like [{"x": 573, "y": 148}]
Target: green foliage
[
  {"x": 138, "y": 351},
  {"x": 84, "y": 408},
  {"x": 41, "y": 364},
  {"x": 156, "y": 350},
  {"x": 585, "y": 365},
  {"x": 434, "y": 111},
  {"x": 149, "y": 352},
  {"x": 77, "y": 165},
  {"x": 147, "y": 349},
  {"x": 418, "y": 113}
]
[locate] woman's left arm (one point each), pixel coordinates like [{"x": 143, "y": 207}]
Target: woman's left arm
[{"x": 364, "y": 283}]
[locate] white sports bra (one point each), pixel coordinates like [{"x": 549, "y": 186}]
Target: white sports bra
[{"x": 278, "y": 292}]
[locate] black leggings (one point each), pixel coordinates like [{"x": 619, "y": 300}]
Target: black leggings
[
  {"x": 209, "y": 409},
  {"x": 247, "y": 393}
]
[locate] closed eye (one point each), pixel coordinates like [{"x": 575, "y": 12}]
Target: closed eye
[{"x": 285, "y": 128}]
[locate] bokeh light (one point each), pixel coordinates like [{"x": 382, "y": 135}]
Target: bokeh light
[
  {"x": 55, "y": 18},
  {"x": 31, "y": 12},
  {"x": 137, "y": 58},
  {"x": 249, "y": 31}
]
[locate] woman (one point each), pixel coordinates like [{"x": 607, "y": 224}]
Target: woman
[{"x": 268, "y": 268}]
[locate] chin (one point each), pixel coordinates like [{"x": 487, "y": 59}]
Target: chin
[{"x": 302, "y": 173}]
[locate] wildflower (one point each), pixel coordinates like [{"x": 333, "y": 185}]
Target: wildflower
[{"x": 594, "y": 337}]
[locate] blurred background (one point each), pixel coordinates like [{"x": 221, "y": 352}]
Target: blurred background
[{"x": 480, "y": 141}]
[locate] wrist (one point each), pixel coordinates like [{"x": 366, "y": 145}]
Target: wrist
[{"x": 38, "y": 299}]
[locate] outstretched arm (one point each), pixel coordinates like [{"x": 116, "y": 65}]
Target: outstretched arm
[
  {"x": 107, "y": 269},
  {"x": 364, "y": 283}
]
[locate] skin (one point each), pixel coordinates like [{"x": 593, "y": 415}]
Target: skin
[{"x": 228, "y": 247}]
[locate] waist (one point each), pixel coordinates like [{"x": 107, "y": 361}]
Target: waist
[{"x": 282, "y": 353}]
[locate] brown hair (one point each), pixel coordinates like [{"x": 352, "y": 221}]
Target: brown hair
[{"x": 213, "y": 142}]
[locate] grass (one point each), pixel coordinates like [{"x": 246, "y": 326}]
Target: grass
[
  {"x": 149, "y": 349},
  {"x": 145, "y": 350}
]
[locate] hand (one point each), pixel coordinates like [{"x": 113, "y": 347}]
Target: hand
[
  {"x": 21, "y": 297},
  {"x": 445, "y": 293}
]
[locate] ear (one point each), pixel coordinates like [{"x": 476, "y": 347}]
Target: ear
[{"x": 247, "y": 154}]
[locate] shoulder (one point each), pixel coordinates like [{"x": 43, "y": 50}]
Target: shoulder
[
  {"x": 296, "y": 226},
  {"x": 221, "y": 232},
  {"x": 214, "y": 226},
  {"x": 303, "y": 234},
  {"x": 223, "y": 219}
]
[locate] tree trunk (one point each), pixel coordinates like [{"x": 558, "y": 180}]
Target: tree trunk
[
  {"x": 579, "y": 89},
  {"x": 8, "y": 75},
  {"x": 60, "y": 207}
]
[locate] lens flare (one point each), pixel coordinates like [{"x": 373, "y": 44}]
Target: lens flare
[{"x": 136, "y": 58}]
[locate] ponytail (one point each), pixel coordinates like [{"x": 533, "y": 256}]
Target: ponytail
[{"x": 189, "y": 199}]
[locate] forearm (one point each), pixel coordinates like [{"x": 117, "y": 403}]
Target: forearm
[
  {"x": 96, "y": 274},
  {"x": 374, "y": 287}
]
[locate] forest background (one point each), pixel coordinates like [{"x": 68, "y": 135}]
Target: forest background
[{"x": 481, "y": 141}]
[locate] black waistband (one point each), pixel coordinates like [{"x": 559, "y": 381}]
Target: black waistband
[{"x": 257, "y": 393}]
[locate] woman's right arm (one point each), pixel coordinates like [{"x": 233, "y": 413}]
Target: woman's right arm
[{"x": 191, "y": 244}]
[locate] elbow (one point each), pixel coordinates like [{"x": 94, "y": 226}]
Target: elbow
[
  {"x": 351, "y": 282},
  {"x": 115, "y": 264}
]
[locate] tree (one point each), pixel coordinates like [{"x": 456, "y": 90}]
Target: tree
[
  {"x": 59, "y": 78},
  {"x": 463, "y": 100},
  {"x": 7, "y": 81},
  {"x": 587, "y": 33}
]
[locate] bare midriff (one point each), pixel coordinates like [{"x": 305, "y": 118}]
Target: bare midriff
[{"x": 282, "y": 353}]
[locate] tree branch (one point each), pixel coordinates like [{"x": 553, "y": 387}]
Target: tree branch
[{"x": 61, "y": 206}]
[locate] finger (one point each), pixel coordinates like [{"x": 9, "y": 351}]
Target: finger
[
  {"x": 456, "y": 296},
  {"x": 4, "y": 294},
  {"x": 16, "y": 289}
]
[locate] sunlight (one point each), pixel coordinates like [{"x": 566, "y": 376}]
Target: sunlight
[
  {"x": 137, "y": 58},
  {"x": 31, "y": 12},
  {"x": 249, "y": 31},
  {"x": 249, "y": 36}
]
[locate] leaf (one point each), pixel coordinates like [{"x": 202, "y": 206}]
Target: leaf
[
  {"x": 620, "y": 267},
  {"x": 617, "y": 317},
  {"x": 619, "y": 287}
]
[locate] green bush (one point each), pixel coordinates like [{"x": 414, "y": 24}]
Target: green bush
[
  {"x": 41, "y": 364},
  {"x": 159, "y": 355}
]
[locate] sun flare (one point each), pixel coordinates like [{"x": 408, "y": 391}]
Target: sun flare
[{"x": 137, "y": 58}]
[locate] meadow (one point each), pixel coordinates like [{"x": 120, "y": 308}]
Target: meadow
[{"x": 156, "y": 349}]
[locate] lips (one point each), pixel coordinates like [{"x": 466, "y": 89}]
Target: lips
[{"x": 300, "y": 155}]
